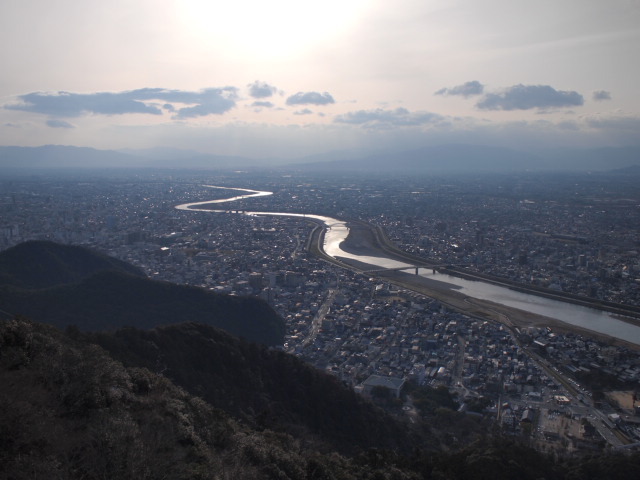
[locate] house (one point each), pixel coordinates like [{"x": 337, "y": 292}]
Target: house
[
  {"x": 394, "y": 384},
  {"x": 528, "y": 416}
]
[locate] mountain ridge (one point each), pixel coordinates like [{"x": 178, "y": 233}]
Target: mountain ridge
[{"x": 444, "y": 158}]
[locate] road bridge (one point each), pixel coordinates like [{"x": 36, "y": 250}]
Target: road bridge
[
  {"x": 397, "y": 269},
  {"x": 416, "y": 267}
]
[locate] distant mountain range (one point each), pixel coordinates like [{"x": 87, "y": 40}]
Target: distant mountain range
[
  {"x": 454, "y": 158},
  {"x": 49, "y": 157},
  {"x": 68, "y": 285}
]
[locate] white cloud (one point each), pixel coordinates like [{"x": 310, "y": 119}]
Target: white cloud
[
  {"x": 467, "y": 89},
  {"x": 259, "y": 89},
  {"x": 310, "y": 98}
]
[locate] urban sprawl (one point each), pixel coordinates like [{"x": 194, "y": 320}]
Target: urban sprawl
[{"x": 574, "y": 233}]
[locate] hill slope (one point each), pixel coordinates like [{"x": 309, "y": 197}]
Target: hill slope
[
  {"x": 41, "y": 264},
  {"x": 95, "y": 292},
  {"x": 267, "y": 388},
  {"x": 68, "y": 410}
]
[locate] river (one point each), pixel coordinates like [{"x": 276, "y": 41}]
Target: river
[{"x": 336, "y": 232}]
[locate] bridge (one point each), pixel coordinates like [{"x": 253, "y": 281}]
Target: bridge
[
  {"x": 397, "y": 269},
  {"x": 435, "y": 268}
]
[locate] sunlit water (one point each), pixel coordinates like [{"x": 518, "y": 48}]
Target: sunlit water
[{"x": 337, "y": 231}]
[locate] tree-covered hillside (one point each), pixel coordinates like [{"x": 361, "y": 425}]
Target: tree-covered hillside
[
  {"x": 267, "y": 388},
  {"x": 94, "y": 292},
  {"x": 42, "y": 264},
  {"x": 69, "y": 410}
]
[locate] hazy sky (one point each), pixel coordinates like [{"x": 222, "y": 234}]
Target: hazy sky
[{"x": 292, "y": 77}]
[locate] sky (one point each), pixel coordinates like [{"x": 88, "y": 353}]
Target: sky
[{"x": 290, "y": 78}]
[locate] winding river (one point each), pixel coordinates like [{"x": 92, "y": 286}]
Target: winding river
[{"x": 336, "y": 232}]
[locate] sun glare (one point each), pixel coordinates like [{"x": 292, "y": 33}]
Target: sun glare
[{"x": 268, "y": 29}]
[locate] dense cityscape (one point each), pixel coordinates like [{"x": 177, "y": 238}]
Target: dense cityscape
[{"x": 576, "y": 233}]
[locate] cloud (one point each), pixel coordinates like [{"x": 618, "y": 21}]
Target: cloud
[
  {"x": 379, "y": 117},
  {"x": 261, "y": 89},
  {"x": 305, "y": 111},
  {"x": 212, "y": 101},
  {"x": 310, "y": 98},
  {"x": 67, "y": 104},
  {"x": 59, "y": 124},
  {"x": 600, "y": 95},
  {"x": 526, "y": 97},
  {"x": 465, "y": 90},
  {"x": 262, "y": 104}
]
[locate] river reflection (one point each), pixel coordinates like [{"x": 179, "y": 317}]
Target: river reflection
[
  {"x": 337, "y": 231},
  {"x": 585, "y": 317}
]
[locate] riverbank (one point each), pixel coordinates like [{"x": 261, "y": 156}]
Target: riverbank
[
  {"x": 361, "y": 247},
  {"x": 366, "y": 240}
]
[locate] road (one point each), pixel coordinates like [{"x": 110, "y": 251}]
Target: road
[
  {"x": 375, "y": 240},
  {"x": 316, "y": 323}
]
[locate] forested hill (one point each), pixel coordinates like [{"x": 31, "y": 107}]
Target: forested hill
[
  {"x": 267, "y": 388},
  {"x": 40, "y": 264},
  {"x": 69, "y": 410},
  {"x": 64, "y": 286}
]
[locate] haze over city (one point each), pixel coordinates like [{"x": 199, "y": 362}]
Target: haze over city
[{"x": 286, "y": 79}]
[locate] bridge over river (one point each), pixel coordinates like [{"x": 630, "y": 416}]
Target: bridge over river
[{"x": 365, "y": 249}]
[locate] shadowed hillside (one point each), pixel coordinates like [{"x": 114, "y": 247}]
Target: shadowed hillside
[
  {"x": 41, "y": 264},
  {"x": 269, "y": 389},
  {"x": 95, "y": 292},
  {"x": 69, "y": 410}
]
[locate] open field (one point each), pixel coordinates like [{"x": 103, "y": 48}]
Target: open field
[{"x": 624, "y": 399}]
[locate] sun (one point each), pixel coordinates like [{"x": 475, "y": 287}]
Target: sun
[{"x": 268, "y": 29}]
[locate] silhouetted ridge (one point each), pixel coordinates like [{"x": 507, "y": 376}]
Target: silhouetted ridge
[
  {"x": 103, "y": 298},
  {"x": 41, "y": 264}
]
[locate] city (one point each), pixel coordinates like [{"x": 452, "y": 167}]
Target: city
[{"x": 576, "y": 234}]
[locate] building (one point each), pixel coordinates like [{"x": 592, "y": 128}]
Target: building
[{"x": 394, "y": 384}]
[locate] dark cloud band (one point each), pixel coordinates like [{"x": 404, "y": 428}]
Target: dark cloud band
[
  {"x": 526, "y": 97},
  {"x": 262, "y": 104},
  {"x": 600, "y": 95},
  {"x": 53, "y": 123},
  {"x": 380, "y": 117},
  {"x": 144, "y": 101}
]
